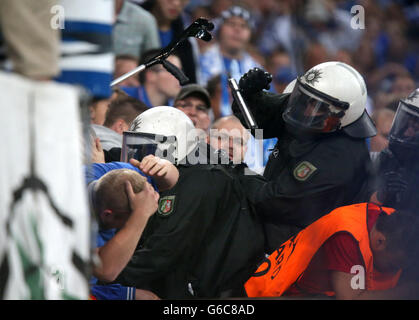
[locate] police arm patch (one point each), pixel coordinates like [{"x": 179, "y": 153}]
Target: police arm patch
[
  {"x": 304, "y": 170},
  {"x": 166, "y": 206}
]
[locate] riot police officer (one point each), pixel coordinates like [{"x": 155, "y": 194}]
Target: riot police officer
[
  {"x": 321, "y": 160},
  {"x": 397, "y": 167},
  {"x": 396, "y": 174},
  {"x": 205, "y": 240}
]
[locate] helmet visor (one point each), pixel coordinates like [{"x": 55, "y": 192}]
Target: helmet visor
[
  {"x": 405, "y": 128},
  {"x": 308, "y": 110},
  {"x": 137, "y": 145}
]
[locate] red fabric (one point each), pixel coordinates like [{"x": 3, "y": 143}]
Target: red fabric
[{"x": 339, "y": 253}]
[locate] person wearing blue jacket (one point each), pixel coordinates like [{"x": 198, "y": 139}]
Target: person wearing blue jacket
[{"x": 123, "y": 196}]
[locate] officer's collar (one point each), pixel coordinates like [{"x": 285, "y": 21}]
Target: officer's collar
[
  {"x": 303, "y": 142},
  {"x": 298, "y": 148},
  {"x": 203, "y": 153}
]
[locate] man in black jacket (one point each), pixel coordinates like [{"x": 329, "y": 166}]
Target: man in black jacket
[
  {"x": 321, "y": 160},
  {"x": 205, "y": 240}
]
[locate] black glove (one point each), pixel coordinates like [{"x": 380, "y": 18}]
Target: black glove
[
  {"x": 253, "y": 81},
  {"x": 392, "y": 187}
]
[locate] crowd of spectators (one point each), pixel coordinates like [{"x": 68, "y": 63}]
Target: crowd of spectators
[{"x": 286, "y": 38}]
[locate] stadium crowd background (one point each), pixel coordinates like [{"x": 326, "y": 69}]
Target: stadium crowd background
[{"x": 289, "y": 37}]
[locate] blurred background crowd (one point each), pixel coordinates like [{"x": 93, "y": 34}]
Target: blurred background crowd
[
  {"x": 101, "y": 40},
  {"x": 285, "y": 38}
]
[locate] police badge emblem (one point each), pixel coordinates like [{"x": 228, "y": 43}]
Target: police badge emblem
[
  {"x": 166, "y": 205},
  {"x": 313, "y": 76},
  {"x": 304, "y": 170}
]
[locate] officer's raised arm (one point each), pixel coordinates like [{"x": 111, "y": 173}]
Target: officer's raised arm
[{"x": 264, "y": 105}]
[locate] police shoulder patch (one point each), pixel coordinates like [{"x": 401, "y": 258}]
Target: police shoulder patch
[
  {"x": 304, "y": 170},
  {"x": 166, "y": 206}
]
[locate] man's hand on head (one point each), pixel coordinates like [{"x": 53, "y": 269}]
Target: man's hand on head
[
  {"x": 144, "y": 203},
  {"x": 117, "y": 252}
]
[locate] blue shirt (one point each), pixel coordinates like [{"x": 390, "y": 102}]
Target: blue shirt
[
  {"x": 140, "y": 93},
  {"x": 112, "y": 291},
  {"x": 165, "y": 37}
]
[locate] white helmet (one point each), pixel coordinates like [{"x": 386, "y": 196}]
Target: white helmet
[
  {"x": 290, "y": 86},
  {"x": 329, "y": 97},
  {"x": 164, "y": 131}
]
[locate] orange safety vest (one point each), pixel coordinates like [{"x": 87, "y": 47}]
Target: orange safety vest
[{"x": 287, "y": 264}]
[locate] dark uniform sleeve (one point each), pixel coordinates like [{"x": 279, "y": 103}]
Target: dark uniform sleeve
[
  {"x": 267, "y": 109},
  {"x": 252, "y": 183},
  {"x": 394, "y": 182},
  {"x": 381, "y": 162},
  {"x": 172, "y": 232},
  {"x": 289, "y": 203}
]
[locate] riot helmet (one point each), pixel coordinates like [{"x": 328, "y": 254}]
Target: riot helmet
[
  {"x": 329, "y": 97},
  {"x": 290, "y": 86},
  {"x": 404, "y": 132},
  {"x": 163, "y": 131}
]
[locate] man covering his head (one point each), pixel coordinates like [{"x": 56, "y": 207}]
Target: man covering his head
[{"x": 123, "y": 198}]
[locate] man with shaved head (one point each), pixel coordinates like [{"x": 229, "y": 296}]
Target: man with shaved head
[{"x": 228, "y": 134}]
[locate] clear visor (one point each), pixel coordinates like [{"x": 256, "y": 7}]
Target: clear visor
[
  {"x": 405, "y": 128},
  {"x": 306, "y": 110},
  {"x": 137, "y": 145}
]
